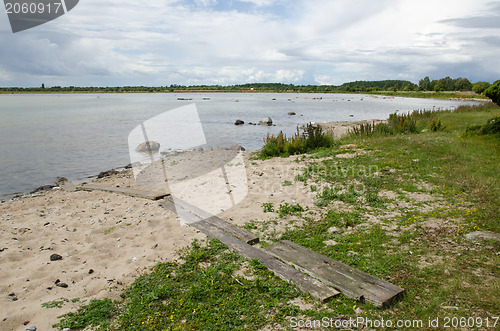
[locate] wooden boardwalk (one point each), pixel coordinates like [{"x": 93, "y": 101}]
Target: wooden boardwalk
[
  {"x": 126, "y": 191},
  {"x": 352, "y": 282},
  {"x": 311, "y": 272},
  {"x": 223, "y": 231}
]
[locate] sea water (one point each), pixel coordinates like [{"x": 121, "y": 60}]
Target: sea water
[{"x": 46, "y": 136}]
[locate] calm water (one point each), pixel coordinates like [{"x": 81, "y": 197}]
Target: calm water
[{"x": 43, "y": 137}]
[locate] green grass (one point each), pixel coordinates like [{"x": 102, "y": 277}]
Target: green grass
[{"x": 399, "y": 211}]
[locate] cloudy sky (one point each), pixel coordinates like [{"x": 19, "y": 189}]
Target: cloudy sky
[{"x": 191, "y": 42}]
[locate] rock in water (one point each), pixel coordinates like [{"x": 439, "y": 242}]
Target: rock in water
[
  {"x": 292, "y": 113},
  {"x": 147, "y": 146},
  {"x": 266, "y": 121},
  {"x": 236, "y": 148},
  {"x": 239, "y": 122}
]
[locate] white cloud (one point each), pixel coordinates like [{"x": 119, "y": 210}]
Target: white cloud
[
  {"x": 169, "y": 41},
  {"x": 4, "y": 75}
]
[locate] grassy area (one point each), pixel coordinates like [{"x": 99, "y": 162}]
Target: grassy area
[{"x": 398, "y": 207}]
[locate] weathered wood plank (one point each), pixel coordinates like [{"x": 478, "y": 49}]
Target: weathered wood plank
[
  {"x": 305, "y": 283},
  {"x": 126, "y": 191},
  {"x": 227, "y": 227},
  {"x": 233, "y": 230},
  {"x": 354, "y": 283}
]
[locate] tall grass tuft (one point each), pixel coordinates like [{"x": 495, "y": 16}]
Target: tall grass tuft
[{"x": 310, "y": 139}]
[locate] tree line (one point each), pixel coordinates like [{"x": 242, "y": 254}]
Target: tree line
[
  {"x": 449, "y": 84},
  {"x": 425, "y": 84}
]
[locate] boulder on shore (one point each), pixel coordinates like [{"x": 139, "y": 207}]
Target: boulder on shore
[
  {"x": 147, "y": 146},
  {"x": 266, "y": 121}
]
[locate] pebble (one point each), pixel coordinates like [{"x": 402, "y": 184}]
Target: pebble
[
  {"x": 55, "y": 257},
  {"x": 31, "y": 328}
]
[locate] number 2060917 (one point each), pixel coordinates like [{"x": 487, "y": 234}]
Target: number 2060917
[
  {"x": 471, "y": 322},
  {"x": 33, "y": 8}
]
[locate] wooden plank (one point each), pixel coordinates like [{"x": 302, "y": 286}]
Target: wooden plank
[
  {"x": 126, "y": 191},
  {"x": 227, "y": 227},
  {"x": 233, "y": 230},
  {"x": 354, "y": 283},
  {"x": 305, "y": 283}
]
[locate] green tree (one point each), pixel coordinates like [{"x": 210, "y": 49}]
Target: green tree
[
  {"x": 479, "y": 87},
  {"x": 445, "y": 84},
  {"x": 425, "y": 84},
  {"x": 493, "y": 92},
  {"x": 462, "y": 84}
]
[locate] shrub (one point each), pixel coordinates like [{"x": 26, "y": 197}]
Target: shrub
[
  {"x": 435, "y": 125},
  {"x": 493, "y": 92},
  {"x": 492, "y": 126}
]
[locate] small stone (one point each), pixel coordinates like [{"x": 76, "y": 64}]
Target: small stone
[
  {"x": 447, "y": 272},
  {"x": 91, "y": 271},
  {"x": 488, "y": 235},
  {"x": 55, "y": 257},
  {"x": 31, "y": 328},
  {"x": 63, "y": 285},
  {"x": 26, "y": 322}
]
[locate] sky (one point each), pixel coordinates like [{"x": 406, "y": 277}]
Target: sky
[{"x": 227, "y": 42}]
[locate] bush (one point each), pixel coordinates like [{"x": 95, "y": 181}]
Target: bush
[
  {"x": 493, "y": 92},
  {"x": 492, "y": 126}
]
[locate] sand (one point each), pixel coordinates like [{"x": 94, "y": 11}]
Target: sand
[{"x": 107, "y": 239}]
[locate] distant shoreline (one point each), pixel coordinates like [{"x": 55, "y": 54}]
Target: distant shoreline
[{"x": 450, "y": 95}]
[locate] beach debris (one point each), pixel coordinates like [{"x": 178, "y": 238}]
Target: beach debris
[
  {"x": 31, "y": 328},
  {"x": 266, "y": 121},
  {"x": 55, "y": 257},
  {"x": 292, "y": 113},
  {"x": 239, "y": 122},
  {"x": 148, "y": 146}
]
